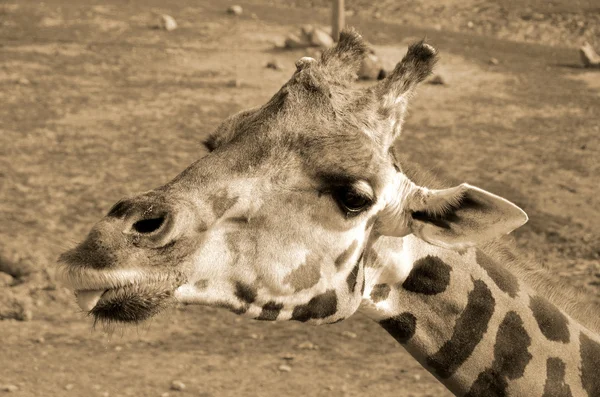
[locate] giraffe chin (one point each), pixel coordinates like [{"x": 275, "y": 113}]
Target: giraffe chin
[{"x": 129, "y": 304}]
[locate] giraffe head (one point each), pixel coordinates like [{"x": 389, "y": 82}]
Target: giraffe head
[{"x": 272, "y": 223}]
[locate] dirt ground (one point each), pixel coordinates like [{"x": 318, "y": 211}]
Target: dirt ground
[{"x": 95, "y": 105}]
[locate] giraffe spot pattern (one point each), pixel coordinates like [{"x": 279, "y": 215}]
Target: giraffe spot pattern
[
  {"x": 469, "y": 329},
  {"x": 430, "y": 276},
  {"x": 201, "y": 284},
  {"x": 489, "y": 384},
  {"x": 244, "y": 292},
  {"x": 305, "y": 275},
  {"x": 343, "y": 258},
  {"x": 270, "y": 311},
  {"x": 511, "y": 357},
  {"x": 221, "y": 203},
  {"x": 380, "y": 292},
  {"x": 555, "y": 379},
  {"x": 352, "y": 277},
  {"x": 501, "y": 276},
  {"x": 402, "y": 327},
  {"x": 552, "y": 322},
  {"x": 590, "y": 362},
  {"x": 318, "y": 307}
]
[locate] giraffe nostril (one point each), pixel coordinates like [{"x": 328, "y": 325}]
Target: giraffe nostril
[{"x": 147, "y": 226}]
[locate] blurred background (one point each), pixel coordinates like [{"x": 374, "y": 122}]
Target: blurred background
[{"x": 99, "y": 100}]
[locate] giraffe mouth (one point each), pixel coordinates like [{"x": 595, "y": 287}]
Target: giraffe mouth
[{"x": 119, "y": 295}]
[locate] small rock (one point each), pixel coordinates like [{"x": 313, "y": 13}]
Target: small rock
[
  {"x": 437, "y": 27},
  {"x": 167, "y": 23},
  {"x": 377, "y": 15},
  {"x": 118, "y": 348},
  {"x": 348, "y": 334},
  {"x": 6, "y": 279},
  {"x": 23, "y": 81},
  {"x": 417, "y": 377},
  {"x": 40, "y": 339},
  {"x": 320, "y": 38},
  {"x": 177, "y": 385},
  {"x": 493, "y": 61},
  {"x": 437, "y": 80},
  {"x": 234, "y": 83},
  {"x": 9, "y": 388},
  {"x": 235, "y": 10},
  {"x": 70, "y": 386},
  {"x": 307, "y": 346},
  {"x": 165, "y": 394},
  {"x": 105, "y": 394},
  {"x": 350, "y": 13},
  {"x": 288, "y": 356},
  {"x": 293, "y": 41},
  {"x": 284, "y": 368},
  {"x": 370, "y": 68},
  {"x": 470, "y": 25},
  {"x": 589, "y": 57},
  {"x": 275, "y": 65},
  {"x": 306, "y": 31}
]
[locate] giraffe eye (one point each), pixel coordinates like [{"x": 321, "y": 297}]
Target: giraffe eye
[{"x": 350, "y": 201}]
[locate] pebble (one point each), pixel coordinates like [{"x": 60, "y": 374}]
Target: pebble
[
  {"x": 23, "y": 81},
  {"x": 9, "y": 388},
  {"x": 307, "y": 346},
  {"x": 167, "y": 22},
  {"x": 285, "y": 368},
  {"x": 437, "y": 80},
  {"x": 320, "y": 38},
  {"x": 348, "y": 334},
  {"x": 118, "y": 348},
  {"x": 470, "y": 25},
  {"x": 288, "y": 356},
  {"x": 6, "y": 279},
  {"x": 493, "y": 61},
  {"x": 40, "y": 339},
  {"x": 234, "y": 83},
  {"x": 294, "y": 41},
  {"x": 177, "y": 385},
  {"x": 235, "y": 10},
  {"x": 417, "y": 377},
  {"x": 70, "y": 386},
  {"x": 165, "y": 394},
  {"x": 275, "y": 65}
]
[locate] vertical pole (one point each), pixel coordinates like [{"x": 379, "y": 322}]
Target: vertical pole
[{"x": 337, "y": 19}]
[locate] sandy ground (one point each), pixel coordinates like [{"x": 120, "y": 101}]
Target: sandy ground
[{"x": 97, "y": 105}]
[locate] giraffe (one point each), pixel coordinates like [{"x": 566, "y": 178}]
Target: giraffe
[{"x": 302, "y": 211}]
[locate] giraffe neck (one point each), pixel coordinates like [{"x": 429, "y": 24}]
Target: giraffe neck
[{"x": 474, "y": 325}]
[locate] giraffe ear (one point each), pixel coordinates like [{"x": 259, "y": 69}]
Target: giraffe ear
[{"x": 462, "y": 216}]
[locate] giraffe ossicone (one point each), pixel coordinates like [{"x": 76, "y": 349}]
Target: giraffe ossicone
[{"x": 301, "y": 212}]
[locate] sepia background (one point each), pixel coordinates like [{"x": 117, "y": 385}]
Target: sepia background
[{"x": 97, "y": 101}]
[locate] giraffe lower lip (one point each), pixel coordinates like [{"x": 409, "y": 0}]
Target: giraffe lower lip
[{"x": 132, "y": 303}]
